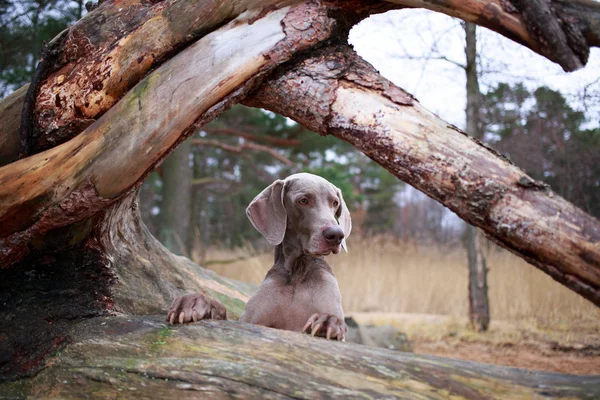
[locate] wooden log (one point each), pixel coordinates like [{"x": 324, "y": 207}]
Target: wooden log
[
  {"x": 144, "y": 358},
  {"x": 100, "y": 266},
  {"x": 482, "y": 187}
]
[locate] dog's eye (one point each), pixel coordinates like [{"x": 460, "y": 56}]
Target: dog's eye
[
  {"x": 335, "y": 203},
  {"x": 303, "y": 201}
]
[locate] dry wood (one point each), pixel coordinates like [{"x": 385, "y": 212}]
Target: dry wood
[
  {"x": 86, "y": 70},
  {"x": 483, "y": 188}
]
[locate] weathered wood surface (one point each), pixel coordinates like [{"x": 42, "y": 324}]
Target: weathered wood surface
[
  {"x": 148, "y": 276},
  {"x": 357, "y": 105},
  {"x": 71, "y": 210},
  {"x": 119, "y": 357},
  {"x": 105, "y": 265},
  {"x": 90, "y": 66}
]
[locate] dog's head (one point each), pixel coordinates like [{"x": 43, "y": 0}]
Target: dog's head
[{"x": 305, "y": 205}]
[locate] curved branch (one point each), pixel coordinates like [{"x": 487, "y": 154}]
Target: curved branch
[
  {"x": 255, "y": 138},
  {"x": 240, "y": 148},
  {"x": 560, "y": 30},
  {"x": 485, "y": 189}
]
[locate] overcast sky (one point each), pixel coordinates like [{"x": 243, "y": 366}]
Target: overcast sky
[{"x": 388, "y": 41}]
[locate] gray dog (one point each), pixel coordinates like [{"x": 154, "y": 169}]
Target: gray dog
[{"x": 306, "y": 218}]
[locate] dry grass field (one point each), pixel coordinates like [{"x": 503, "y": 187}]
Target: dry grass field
[
  {"x": 385, "y": 275},
  {"x": 536, "y": 322}
]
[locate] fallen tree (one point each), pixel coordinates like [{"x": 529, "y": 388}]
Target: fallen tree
[
  {"x": 72, "y": 209},
  {"x": 143, "y": 358}
]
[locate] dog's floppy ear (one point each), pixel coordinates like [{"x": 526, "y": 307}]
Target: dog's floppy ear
[
  {"x": 343, "y": 216},
  {"x": 267, "y": 213}
]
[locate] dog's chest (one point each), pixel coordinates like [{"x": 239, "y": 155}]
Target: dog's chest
[{"x": 297, "y": 301}]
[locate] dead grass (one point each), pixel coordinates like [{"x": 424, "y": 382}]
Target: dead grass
[{"x": 383, "y": 275}]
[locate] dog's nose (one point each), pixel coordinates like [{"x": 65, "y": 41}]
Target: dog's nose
[{"x": 333, "y": 234}]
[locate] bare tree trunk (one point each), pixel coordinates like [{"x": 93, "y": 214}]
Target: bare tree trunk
[
  {"x": 479, "y": 309},
  {"x": 176, "y": 206},
  {"x": 479, "y": 312}
]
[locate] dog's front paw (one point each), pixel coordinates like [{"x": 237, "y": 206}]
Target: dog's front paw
[
  {"x": 194, "y": 307},
  {"x": 326, "y": 325}
]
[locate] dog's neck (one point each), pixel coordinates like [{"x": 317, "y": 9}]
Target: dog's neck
[{"x": 290, "y": 257}]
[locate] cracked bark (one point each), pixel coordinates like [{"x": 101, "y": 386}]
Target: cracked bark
[
  {"x": 359, "y": 106},
  {"x": 89, "y": 67}
]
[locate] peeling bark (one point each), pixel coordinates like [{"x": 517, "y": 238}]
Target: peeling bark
[
  {"x": 73, "y": 208},
  {"x": 90, "y": 66},
  {"x": 357, "y": 105}
]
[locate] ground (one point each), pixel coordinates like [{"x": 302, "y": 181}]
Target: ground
[{"x": 567, "y": 348}]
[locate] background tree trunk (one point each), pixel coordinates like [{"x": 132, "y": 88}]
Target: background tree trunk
[
  {"x": 176, "y": 205},
  {"x": 479, "y": 309}
]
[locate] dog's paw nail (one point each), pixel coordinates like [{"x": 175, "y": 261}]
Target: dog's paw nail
[
  {"x": 328, "y": 336},
  {"x": 315, "y": 329}
]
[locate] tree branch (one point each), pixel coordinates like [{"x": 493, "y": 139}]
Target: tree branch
[
  {"x": 255, "y": 138},
  {"x": 240, "y": 148},
  {"x": 86, "y": 70},
  {"x": 560, "y": 30}
]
